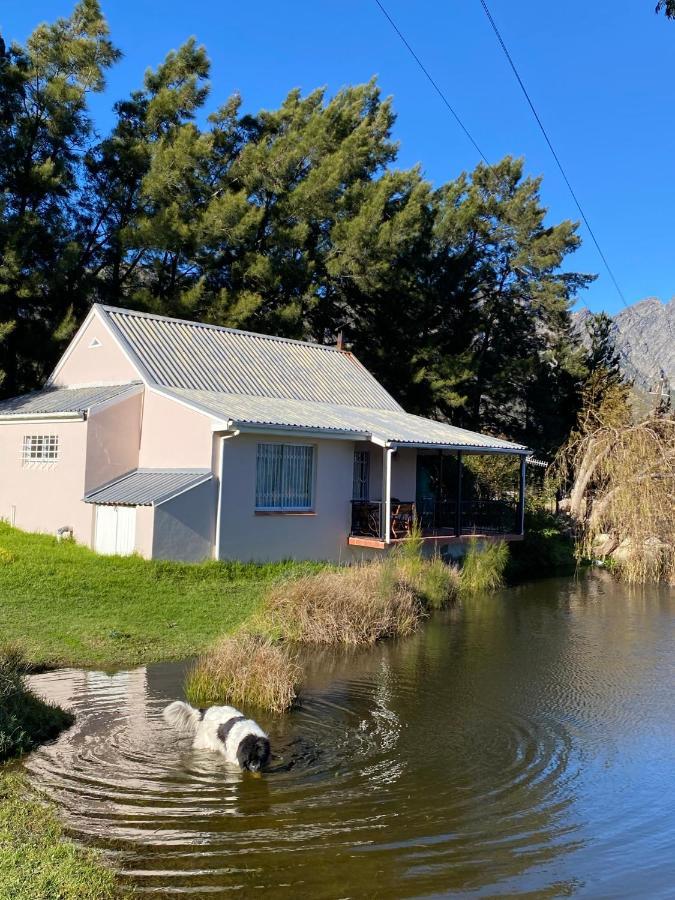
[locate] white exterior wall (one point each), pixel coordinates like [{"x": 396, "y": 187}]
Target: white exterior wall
[
  {"x": 184, "y": 527},
  {"x": 319, "y": 535},
  {"x": 145, "y": 524},
  {"x": 113, "y": 438},
  {"x": 105, "y": 364},
  {"x": 403, "y": 472},
  {"x": 45, "y": 496},
  {"x": 174, "y": 436}
]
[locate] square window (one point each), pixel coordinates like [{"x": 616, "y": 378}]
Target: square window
[
  {"x": 284, "y": 477},
  {"x": 40, "y": 448}
]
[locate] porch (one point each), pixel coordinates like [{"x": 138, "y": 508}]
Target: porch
[{"x": 441, "y": 506}]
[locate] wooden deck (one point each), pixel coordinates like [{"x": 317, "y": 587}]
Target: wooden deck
[{"x": 449, "y": 538}]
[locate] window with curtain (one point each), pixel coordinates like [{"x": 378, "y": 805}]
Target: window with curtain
[
  {"x": 361, "y": 488},
  {"x": 284, "y": 477}
]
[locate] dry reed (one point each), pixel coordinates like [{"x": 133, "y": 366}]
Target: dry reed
[
  {"x": 357, "y": 605},
  {"x": 245, "y": 669}
]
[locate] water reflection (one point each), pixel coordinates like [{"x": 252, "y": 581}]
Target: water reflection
[{"x": 518, "y": 744}]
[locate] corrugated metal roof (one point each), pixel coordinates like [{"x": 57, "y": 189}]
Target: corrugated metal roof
[
  {"x": 387, "y": 425},
  {"x": 52, "y": 401},
  {"x": 147, "y": 487},
  {"x": 192, "y": 355}
]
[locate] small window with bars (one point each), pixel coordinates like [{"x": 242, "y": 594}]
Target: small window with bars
[
  {"x": 40, "y": 448},
  {"x": 284, "y": 477},
  {"x": 361, "y": 486}
]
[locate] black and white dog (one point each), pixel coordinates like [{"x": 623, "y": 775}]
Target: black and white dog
[{"x": 225, "y": 730}]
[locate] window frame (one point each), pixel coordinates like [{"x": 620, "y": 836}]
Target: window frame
[
  {"x": 286, "y": 509},
  {"x": 364, "y": 478},
  {"x": 40, "y": 449}
]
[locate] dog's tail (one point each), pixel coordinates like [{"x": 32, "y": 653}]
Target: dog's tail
[{"x": 183, "y": 716}]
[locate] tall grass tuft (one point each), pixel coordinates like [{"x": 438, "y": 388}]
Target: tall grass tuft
[
  {"x": 440, "y": 583},
  {"x": 483, "y": 567},
  {"x": 245, "y": 670},
  {"x": 357, "y": 605},
  {"x": 25, "y": 720},
  {"x": 435, "y": 582}
]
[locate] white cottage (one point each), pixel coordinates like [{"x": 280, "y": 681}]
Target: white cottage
[{"x": 181, "y": 440}]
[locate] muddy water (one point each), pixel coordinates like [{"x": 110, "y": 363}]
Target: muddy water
[{"x": 520, "y": 744}]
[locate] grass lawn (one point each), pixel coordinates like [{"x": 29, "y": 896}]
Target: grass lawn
[
  {"x": 36, "y": 861},
  {"x": 64, "y": 604}
]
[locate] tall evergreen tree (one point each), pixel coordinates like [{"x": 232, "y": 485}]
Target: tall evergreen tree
[
  {"x": 516, "y": 314},
  {"x": 602, "y": 353},
  {"x": 45, "y": 129},
  {"x": 291, "y": 221},
  {"x": 667, "y": 6}
]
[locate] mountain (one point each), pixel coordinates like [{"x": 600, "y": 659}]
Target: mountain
[{"x": 644, "y": 335}]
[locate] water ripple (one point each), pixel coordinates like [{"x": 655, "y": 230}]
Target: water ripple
[{"x": 477, "y": 756}]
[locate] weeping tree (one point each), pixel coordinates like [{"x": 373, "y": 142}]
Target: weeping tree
[{"x": 620, "y": 475}]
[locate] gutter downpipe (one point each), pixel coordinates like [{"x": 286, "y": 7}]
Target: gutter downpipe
[
  {"x": 386, "y": 494},
  {"x": 219, "y": 499}
]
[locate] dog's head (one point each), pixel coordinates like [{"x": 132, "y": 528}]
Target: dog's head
[{"x": 253, "y": 753}]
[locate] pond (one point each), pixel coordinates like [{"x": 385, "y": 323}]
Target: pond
[{"x": 522, "y": 743}]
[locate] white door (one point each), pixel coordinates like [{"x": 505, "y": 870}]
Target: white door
[{"x": 115, "y": 530}]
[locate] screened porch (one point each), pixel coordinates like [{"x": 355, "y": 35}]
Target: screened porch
[{"x": 447, "y": 496}]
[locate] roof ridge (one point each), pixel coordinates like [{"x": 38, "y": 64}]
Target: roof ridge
[{"x": 211, "y": 327}]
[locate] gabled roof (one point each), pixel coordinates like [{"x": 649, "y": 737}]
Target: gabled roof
[
  {"x": 258, "y": 381},
  {"x": 147, "y": 487},
  {"x": 195, "y": 356},
  {"x": 58, "y": 401},
  {"x": 385, "y": 426}
]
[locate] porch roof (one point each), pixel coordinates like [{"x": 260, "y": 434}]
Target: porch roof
[
  {"x": 57, "y": 401},
  {"x": 147, "y": 487},
  {"x": 383, "y": 426}
]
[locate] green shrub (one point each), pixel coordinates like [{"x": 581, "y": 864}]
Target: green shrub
[
  {"x": 547, "y": 548},
  {"x": 483, "y": 567},
  {"x": 25, "y": 720}
]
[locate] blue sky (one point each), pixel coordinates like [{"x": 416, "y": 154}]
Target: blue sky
[{"x": 601, "y": 81}]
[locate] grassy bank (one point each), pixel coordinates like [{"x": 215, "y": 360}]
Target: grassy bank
[
  {"x": 356, "y": 606},
  {"x": 25, "y": 721},
  {"x": 66, "y": 605},
  {"x": 37, "y": 862}
]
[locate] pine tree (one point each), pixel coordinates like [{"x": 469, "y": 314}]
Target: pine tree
[
  {"x": 291, "y": 221},
  {"x": 45, "y": 128},
  {"x": 667, "y": 6}
]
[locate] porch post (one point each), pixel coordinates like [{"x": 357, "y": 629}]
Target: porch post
[
  {"x": 385, "y": 523},
  {"x": 521, "y": 494},
  {"x": 458, "y": 516}
]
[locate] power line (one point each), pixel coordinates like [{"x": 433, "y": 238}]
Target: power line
[
  {"x": 534, "y": 112},
  {"x": 433, "y": 83},
  {"x": 552, "y": 149}
]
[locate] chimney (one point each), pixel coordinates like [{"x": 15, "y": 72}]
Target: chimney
[{"x": 340, "y": 340}]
